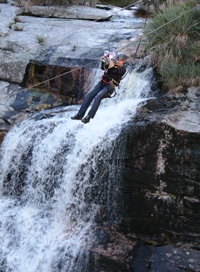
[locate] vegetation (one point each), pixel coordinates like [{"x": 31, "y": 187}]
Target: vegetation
[
  {"x": 120, "y": 3},
  {"x": 18, "y": 28},
  {"x": 173, "y": 38},
  {"x": 13, "y": 25},
  {"x": 40, "y": 40},
  {"x": 17, "y": 19}
]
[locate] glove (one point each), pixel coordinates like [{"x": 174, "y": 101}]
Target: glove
[
  {"x": 112, "y": 55},
  {"x": 106, "y": 54}
]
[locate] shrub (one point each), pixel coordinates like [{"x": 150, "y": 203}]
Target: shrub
[
  {"x": 173, "y": 38},
  {"x": 40, "y": 39}
]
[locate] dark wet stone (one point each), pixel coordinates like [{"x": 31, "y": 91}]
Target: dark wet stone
[{"x": 102, "y": 236}]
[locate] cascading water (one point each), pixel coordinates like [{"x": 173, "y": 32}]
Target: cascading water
[{"x": 50, "y": 189}]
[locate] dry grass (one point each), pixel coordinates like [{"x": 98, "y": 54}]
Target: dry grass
[{"x": 174, "y": 45}]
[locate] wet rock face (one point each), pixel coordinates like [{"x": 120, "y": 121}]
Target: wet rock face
[
  {"x": 66, "y": 82},
  {"x": 155, "y": 192},
  {"x": 164, "y": 258},
  {"x": 161, "y": 183},
  {"x": 160, "y": 186},
  {"x": 155, "y": 195}
]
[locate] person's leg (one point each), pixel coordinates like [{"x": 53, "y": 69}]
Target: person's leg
[
  {"x": 87, "y": 100},
  {"x": 104, "y": 93}
]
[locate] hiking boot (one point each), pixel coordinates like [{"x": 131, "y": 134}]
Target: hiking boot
[
  {"x": 86, "y": 119},
  {"x": 76, "y": 117}
]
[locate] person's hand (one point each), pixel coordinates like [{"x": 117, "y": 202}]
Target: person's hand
[
  {"x": 106, "y": 54},
  {"x": 108, "y": 58},
  {"x": 112, "y": 55},
  {"x": 109, "y": 55}
]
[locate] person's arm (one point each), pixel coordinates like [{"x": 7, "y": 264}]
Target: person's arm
[
  {"x": 107, "y": 60},
  {"x": 111, "y": 63}
]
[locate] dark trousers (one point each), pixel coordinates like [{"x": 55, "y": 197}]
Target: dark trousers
[{"x": 98, "y": 92}]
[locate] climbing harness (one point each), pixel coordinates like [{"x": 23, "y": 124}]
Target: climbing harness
[
  {"x": 104, "y": 81},
  {"x": 109, "y": 83},
  {"x": 112, "y": 82}
]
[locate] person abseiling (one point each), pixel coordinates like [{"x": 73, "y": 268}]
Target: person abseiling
[{"x": 114, "y": 71}]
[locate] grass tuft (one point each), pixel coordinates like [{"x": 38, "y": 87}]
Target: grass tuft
[
  {"x": 18, "y": 28},
  {"x": 40, "y": 40},
  {"x": 173, "y": 38}
]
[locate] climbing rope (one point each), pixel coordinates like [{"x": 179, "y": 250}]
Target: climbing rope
[
  {"x": 30, "y": 48},
  {"x": 38, "y": 84}
]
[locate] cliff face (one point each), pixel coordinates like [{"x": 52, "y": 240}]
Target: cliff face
[
  {"x": 156, "y": 191},
  {"x": 162, "y": 182},
  {"x": 161, "y": 178},
  {"x": 162, "y": 169},
  {"x": 157, "y": 197}
]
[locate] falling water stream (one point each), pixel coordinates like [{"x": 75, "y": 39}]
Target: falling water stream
[{"x": 49, "y": 163}]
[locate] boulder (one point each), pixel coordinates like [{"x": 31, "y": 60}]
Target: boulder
[
  {"x": 155, "y": 195},
  {"x": 71, "y": 12},
  {"x": 160, "y": 187}
]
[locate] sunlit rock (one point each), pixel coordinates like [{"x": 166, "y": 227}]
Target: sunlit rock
[{"x": 70, "y": 12}]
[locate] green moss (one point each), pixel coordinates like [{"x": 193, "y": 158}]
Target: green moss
[{"x": 172, "y": 196}]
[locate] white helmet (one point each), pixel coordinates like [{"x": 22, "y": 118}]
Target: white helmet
[{"x": 121, "y": 56}]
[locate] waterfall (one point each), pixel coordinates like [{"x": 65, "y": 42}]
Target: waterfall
[{"x": 49, "y": 177}]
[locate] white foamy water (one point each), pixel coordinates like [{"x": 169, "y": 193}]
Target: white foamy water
[{"x": 48, "y": 166}]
